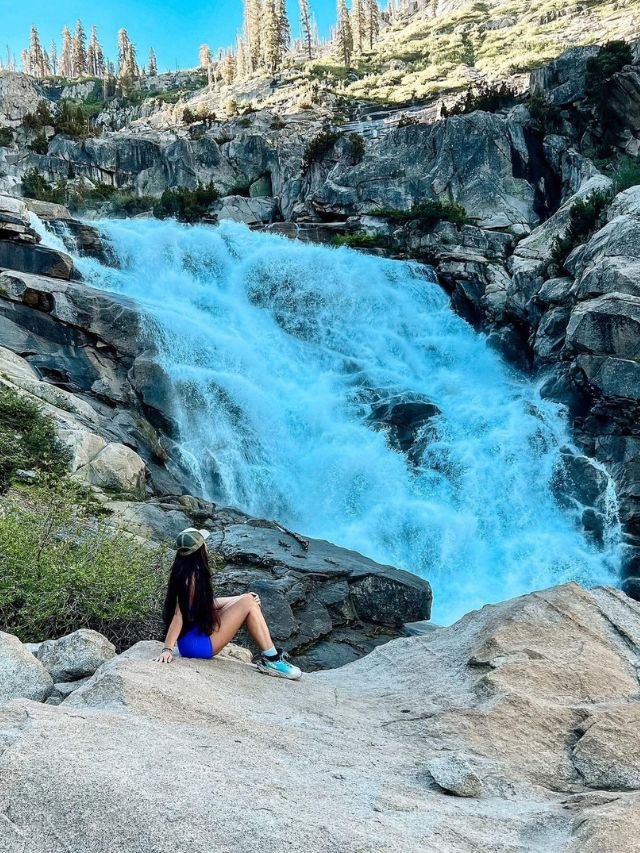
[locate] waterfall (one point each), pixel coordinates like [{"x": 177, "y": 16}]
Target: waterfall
[{"x": 279, "y": 352}]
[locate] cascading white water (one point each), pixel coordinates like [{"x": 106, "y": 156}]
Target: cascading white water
[{"x": 276, "y": 350}]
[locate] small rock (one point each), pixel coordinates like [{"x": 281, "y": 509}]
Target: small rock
[
  {"x": 454, "y": 775},
  {"x": 237, "y": 653},
  {"x": 65, "y": 688},
  {"x": 76, "y": 655}
]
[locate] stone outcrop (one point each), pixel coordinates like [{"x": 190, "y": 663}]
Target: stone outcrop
[{"x": 516, "y": 729}]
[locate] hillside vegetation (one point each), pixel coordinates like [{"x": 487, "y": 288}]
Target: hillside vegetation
[{"x": 428, "y": 55}]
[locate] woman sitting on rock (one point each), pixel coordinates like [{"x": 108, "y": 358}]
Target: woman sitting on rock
[{"x": 201, "y": 625}]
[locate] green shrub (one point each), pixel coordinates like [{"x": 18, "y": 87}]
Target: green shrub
[
  {"x": 129, "y": 204},
  {"x": 82, "y": 197},
  {"x": 407, "y": 121},
  {"x": 188, "y": 116},
  {"x": 626, "y": 174},
  {"x": 35, "y": 185},
  {"x": 585, "y": 217},
  {"x": 62, "y": 568},
  {"x": 486, "y": 98},
  {"x": 357, "y": 146},
  {"x": 40, "y": 144},
  {"x": 73, "y": 122},
  {"x": 545, "y": 113},
  {"x": 611, "y": 58},
  {"x": 185, "y": 205},
  {"x": 27, "y": 440},
  {"x": 360, "y": 240},
  {"x": 426, "y": 213},
  {"x": 6, "y": 136},
  {"x": 39, "y": 119},
  {"x": 318, "y": 148}
]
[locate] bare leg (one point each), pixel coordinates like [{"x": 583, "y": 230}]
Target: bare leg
[{"x": 234, "y": 615}]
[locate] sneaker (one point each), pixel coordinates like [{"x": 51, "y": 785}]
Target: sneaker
[{"x": 279, "y": 667}]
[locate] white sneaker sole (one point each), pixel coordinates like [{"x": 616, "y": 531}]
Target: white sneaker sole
[{"x": 265, "y": 670}]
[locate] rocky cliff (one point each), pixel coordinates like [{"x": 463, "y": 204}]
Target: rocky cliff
[
  {"x": 519, "y": 173},
  {"x": 514, "y": 730}
]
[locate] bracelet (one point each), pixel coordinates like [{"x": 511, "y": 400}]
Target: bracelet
[{"x": 167, "y": 649}]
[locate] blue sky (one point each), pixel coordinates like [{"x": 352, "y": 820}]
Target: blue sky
[{"x": 174, "y": 28}]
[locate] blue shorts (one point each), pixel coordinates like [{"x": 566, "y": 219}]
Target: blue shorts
[{"x": 193, "y": 644}]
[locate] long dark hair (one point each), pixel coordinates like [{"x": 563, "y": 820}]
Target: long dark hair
[{"x": 190, "y": 587}]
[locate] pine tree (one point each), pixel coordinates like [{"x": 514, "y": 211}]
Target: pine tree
[
  {"x": 372, "y": 13},
  {"x": 127, "y": 62},
  {"x": 306, "y": 35},
  {"x": 241, "y": 59},
  {"x": 53, "y": 58},
  {"x": 153, "y": 64},
  {"x": 66, "y": 62},
  {"x": 206, "y": 61},
  {"x": 253, "y": 32},
  {"x": 228, "y": 67},
  {"x": 283, "y": 26},
  {"x": 35, "y": 55},
  {"x": 271, "y": 47},
  {"x": 100, "y": 59},
  {"x": 25, "y": 58},
  {"x": 344, "y": 36},
  {"x": 358, "y": 26},
  {"x": 79, "y": 51},
  {"x": 46, "y": 64}
]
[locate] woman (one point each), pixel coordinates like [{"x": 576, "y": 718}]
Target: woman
[{"x": 201, "y": 625}]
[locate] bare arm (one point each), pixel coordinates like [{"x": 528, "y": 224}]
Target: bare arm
[{"x": 172, "y": 636}]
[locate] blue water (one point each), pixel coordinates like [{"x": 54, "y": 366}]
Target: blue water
[{"x": 276, "y": 350}]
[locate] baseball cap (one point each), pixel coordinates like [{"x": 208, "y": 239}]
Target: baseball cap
[{"x": 191, "y": 540}]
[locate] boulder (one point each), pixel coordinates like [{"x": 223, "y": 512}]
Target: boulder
[
  {"x": 47, "y": 210},
  {"x": 251, "y": 211},
  {"x": 405, "y": 419},
  {"x": 626, "y": 203},
  {"x": 610, "y": 378},
  {"x": 21, "y": 674},
  {"x": 115, "y": 467},
  {"x": 37, "y": 260},
  {"x": 75, "y": 655},
  {"x": 65, "y": 688},
  {"x": 13, "y": 211},
  {"x": 608, "y": 326}
]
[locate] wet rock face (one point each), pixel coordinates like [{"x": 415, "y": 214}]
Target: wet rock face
[
  {"x": 407, "y": 423},
  {"x": 326, "y": 605}
]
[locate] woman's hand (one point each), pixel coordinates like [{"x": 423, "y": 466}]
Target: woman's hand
[
  {"x": 165, "y": 657},
  {"x": 257, "y": 598}
]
